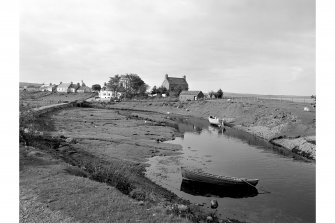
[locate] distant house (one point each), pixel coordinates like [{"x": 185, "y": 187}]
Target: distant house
[
  {"x": 48, "y": 87},
  {"x": 84, "y": 88},
  {"x": 63, "y": 87},
  {"x": 175, "y": 83},
  {"x": 191, "y": 95},
  {"x": 52, "y": 88},
  {"x": 107, "y": 93},
  {"x": 44, "y": 87},
  {"x": 73, "y": 87}
]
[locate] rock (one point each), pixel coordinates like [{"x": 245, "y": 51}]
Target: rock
[
  {"x": 182, "y": 207},
  {"x": 209, "y": 219},
  {"x": 63, "y": 148},
  {"x": 35, "y": 153},
  {"x": 26, "y": 130},
  {"x": 70, "y": 140},
  {"x": 214, "y": 204}
]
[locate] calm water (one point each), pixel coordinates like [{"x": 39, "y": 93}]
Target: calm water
[{"x": 290, "y": 181}]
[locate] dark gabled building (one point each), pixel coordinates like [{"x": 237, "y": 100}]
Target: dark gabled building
[
  {"x": 190, "y": 95},
  {"x": 175, "y": 83}
]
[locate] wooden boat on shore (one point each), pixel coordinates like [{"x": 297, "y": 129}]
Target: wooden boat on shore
[
  {"x": 215, "y": 121},
  {"x": 210, "y": 190},
  {"x": 199, "y": 176}
]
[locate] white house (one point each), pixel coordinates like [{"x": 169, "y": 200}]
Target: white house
[
  {"x": 63, "y": 87},
  {"x": 106, "y": 93}
]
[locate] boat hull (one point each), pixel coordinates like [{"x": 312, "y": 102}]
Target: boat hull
[
  {"x": 210, "y": 190},
  {"x": 197, "y": 176},
  {"x": 214, "y": 121}
]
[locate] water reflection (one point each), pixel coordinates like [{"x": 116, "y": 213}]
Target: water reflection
[{"x": 210, "y": 190}]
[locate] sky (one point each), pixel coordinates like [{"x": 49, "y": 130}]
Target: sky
[{"x": 244, "y": 46}]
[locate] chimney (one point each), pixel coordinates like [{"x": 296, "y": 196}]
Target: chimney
[
  {"x": 166, "y": 76},
  {"x": 105, "y": 84},
  {"x": 184, "y": 77},
  {"x": 60, "y": 82},
  {"x": 71, "y": 82},
  {"x": 50, "y": 84}
]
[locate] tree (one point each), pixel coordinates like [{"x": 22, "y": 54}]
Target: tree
[
  {"x": 129, "y": 84},
  {"x": 154, "y": 90},
  {"x": 136, "y": 84},
  {"x": 114, "y": 84},
  {"x": 162, "y": 90},
  {"x": 211, "y": 94},
  {"x": 219, "y": 93},
  {"x": 314, "y": 103},
  {"x": 176, "y": 92},
  {"x": 96, "y": 87}
]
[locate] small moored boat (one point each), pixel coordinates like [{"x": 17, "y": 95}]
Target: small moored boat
[
  {"x": 199, "y": 176},
  {"x": 215, "y": 121}
]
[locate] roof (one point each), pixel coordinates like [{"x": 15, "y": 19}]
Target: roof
[
  {"x": 84, "y": 88},
  {"x": 64, "y": 85},
  {"x": 190, "y": 92},
  {"x": 105, "y": 88},
  {"x": 176, "y": 80},
  {"x": 75, "y": 86}
]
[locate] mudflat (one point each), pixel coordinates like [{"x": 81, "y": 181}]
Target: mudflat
[{"x": 85, "y": 164}]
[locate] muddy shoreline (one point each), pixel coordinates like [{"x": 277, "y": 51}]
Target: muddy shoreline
[
  {"x": 277, "y": 126},
  {"x": 122, "y": 171},
  {"x": 94, "y": 137}
]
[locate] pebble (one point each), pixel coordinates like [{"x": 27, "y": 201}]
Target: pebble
[
  {"x": 182, "y": 207},
  {"x": 214, "y": 204},
  {"x": 209, "y": 219}
]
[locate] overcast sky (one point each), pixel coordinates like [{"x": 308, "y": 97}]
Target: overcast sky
[{"x": 242, "y": 46}]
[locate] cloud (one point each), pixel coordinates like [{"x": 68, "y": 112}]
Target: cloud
[{"x": 235, "y": 42}]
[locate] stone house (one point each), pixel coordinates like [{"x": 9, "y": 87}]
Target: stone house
[
  {"x": 64, "y": 87},
  {"x": 175, "y": 83},
  {"x": 49, "y": 87},
  {"x": 74, "y": 87},
  {"x": 84, "y": 88},
  {"x": 191, "y": 95}
]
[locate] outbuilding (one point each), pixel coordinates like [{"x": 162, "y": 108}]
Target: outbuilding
[{"x": 191, "y": 95}]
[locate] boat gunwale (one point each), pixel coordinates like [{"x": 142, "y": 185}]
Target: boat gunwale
[{"x": 218, "y": 178}]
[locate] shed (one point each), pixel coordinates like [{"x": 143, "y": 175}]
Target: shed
[{"x": 191, "y": 95}]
